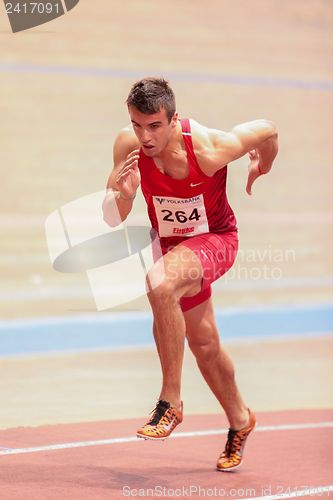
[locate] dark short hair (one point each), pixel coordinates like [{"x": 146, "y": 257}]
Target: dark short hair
[{"x": 151, "y": 94}]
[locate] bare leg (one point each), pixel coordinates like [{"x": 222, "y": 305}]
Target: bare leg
[
  {"x": 170, "y": 336},
  {"x": 214, "y": 363},
  {"x": 169, "y": 323}
]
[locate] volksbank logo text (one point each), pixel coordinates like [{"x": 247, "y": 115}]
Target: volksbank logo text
[
  {"x": 176, "y": 201},
  {"x": 24, "y": 15}
]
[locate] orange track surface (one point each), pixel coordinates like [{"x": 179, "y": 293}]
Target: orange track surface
[{"x": 275, "y": 460}]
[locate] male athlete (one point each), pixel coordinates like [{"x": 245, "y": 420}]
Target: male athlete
[{"x": 182, "y": 169}]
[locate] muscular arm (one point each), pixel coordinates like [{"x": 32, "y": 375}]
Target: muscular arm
[
  {"x": 258, "y": 134},
  {"x": 225, "y": 147},
  {"x": 215, "y": 148},
  {"x": 119, "y": 196}
]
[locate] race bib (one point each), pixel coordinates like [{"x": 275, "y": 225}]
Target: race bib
[{"x": 180, "y": 216}]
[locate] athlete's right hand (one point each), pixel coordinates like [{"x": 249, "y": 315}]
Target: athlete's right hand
[
  {"x": 129, "y": 178},
  {"x": 254, "y": 170}
]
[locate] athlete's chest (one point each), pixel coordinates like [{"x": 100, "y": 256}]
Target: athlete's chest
[
  {"x": 177, "y": 178},
  {"x": 175, "y": 166}
]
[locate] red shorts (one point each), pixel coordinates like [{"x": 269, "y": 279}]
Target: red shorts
[{"x": 216, "y": 252}]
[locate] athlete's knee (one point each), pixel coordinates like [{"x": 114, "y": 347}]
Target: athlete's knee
[
  {"x": 162, "y": 293},
  {"x": 205, "y": 345}
]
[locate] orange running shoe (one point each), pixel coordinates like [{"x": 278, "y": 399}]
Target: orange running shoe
[
  {"x": 162, "y": 422},
  {"x": 231, "y": 457}
]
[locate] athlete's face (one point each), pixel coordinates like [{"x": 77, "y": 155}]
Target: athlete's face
[{"x": 153, "y": 131}]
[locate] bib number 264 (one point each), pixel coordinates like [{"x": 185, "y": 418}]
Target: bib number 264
[{"x": 180, "y": 216}]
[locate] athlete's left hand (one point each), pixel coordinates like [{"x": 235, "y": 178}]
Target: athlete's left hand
[{"x": 254, "y": 170}]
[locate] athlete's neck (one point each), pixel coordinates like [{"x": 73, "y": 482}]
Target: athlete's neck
[{"x": 175, "y": 145}]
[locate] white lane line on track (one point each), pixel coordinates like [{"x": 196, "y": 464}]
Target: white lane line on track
[
  {"x": 131, "y": 439},
  {"x": 313, "y": 492}
]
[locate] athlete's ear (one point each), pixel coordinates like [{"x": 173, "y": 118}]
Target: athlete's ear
[{"x": 174, "y": 120}]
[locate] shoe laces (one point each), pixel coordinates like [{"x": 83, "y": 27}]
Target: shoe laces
[
  {"x": 158, "y": 412},
  {"x": 234, "y": 443}
]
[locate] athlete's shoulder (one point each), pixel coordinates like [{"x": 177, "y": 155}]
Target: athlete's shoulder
[
  {"x": 204, "y": 138},
  {"x": 200, "y": 133},
  {"x": 125, "y": 142},
  {"x": 126, "y": 137},
  {"x": 205, "y": 141}
]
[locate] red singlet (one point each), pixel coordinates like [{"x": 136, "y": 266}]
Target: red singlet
[{"x": 194, "y": 212}]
